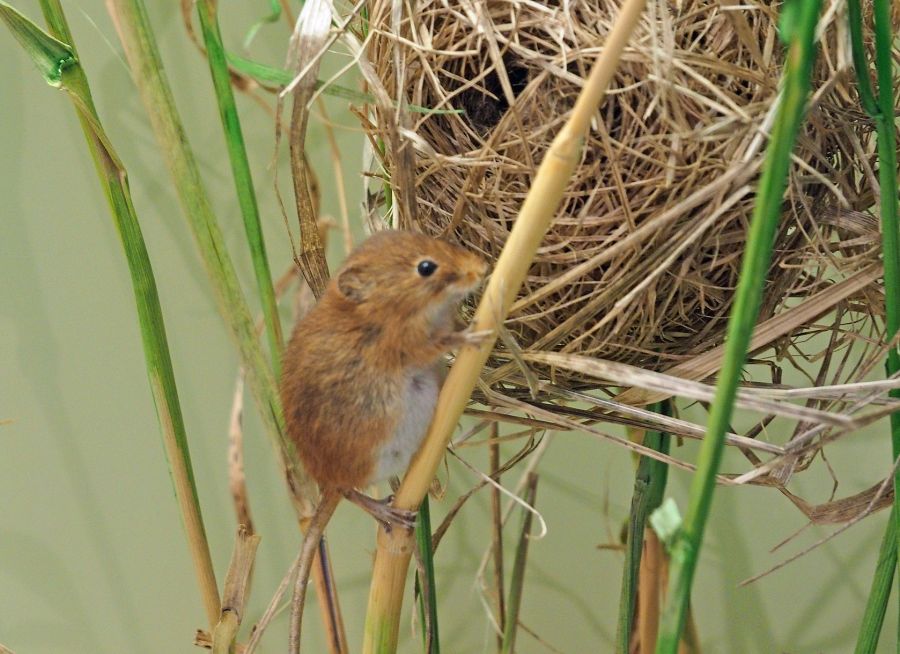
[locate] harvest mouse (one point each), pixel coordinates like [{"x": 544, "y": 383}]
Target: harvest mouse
[{"x": 362, "y": 372}]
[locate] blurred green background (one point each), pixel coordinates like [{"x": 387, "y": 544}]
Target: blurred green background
[{"x": 92, "y": 552}]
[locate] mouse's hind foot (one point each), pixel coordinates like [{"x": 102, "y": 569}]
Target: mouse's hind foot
[{"x": 389, "y": 516}]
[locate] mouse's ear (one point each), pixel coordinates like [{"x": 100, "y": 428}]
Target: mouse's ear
[{"x": 354, "y": 284}]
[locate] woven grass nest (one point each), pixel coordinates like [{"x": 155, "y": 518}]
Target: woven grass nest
[{"x": 641, "y": 262}]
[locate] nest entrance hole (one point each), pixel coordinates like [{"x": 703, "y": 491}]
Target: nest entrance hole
[{"x": 485, "y": 103}]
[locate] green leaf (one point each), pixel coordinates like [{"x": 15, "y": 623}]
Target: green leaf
[
  {"x": 259, "y": 72},
  {"x": 50, "y": 55},
  {"x": 273, "y": 15},
  {"x": 144, "y": 59}
]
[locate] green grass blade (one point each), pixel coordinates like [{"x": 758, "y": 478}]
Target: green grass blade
[
  {"x": 887, "y": 177},
  {"x": 260, "y": 72},
  {"x": 136, "y": 34},
  {"x": 766, "y": 213},
  {"x": 243, "y": 180},
  {"x": 272, "y": 17},
  {"x": 497, "y": 534},
  {"x": 864, "y": 84},
  {"x": 876, "y": 605},
  {"x": 50, "y": 55},
  {"x": 649, "y": 488},
  {"x": 517, "y": 578},
  {"x": 113, "y": 178},
  {"x": 890, "y": 229},
  {"x": 881, "y": 109},
  {"x": 141, "y": 51},
  {"x": 428, "y": 615}
]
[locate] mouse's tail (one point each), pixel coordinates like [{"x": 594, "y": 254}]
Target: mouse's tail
[{"x": 308, "y": 549}]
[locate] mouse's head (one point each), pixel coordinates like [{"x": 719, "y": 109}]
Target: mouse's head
[{"x": 409, "y": 273}]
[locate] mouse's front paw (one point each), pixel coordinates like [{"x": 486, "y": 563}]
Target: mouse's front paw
[{"x": 472, "y": 338}]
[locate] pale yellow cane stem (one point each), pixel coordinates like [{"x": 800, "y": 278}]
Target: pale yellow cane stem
[{"x": 551, "y": 179}]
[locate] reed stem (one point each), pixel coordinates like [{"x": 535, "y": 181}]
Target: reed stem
[
  {"x": 136, "y": 34},
  {"x": 541, "y": 204},
  {"x": 649, "y": 488},
  {"x": 243, "y": 179},
  {"x": 497, "y": 535},
  {"x": 114, "y": 180},
  {"x": 798, "y": 29},
  {"x": 517, "y": 576},
  {"x": 235, "y": 591},
  {"x": 881, "y": 109},
  {"x": 425, "y": 583},
  {"x": 879, "y": 594}
]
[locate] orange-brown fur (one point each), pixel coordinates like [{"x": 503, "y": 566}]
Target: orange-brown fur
[
  {"x": 378, "y": 331},
  {"x": 349, "y": 357}
]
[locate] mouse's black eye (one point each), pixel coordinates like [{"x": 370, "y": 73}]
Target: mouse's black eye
[{"x": 426, "y": 267}]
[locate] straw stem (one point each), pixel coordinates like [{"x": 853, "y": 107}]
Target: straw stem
[
  {"x": 236, "y": 590},
  {"x": 114, "y": 180},
  {"x": 539, "y": 208},
  {"x": 133, "y": 25}
]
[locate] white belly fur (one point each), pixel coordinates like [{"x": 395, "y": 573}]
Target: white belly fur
[{"x": 419, "y": 399}]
